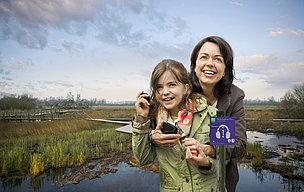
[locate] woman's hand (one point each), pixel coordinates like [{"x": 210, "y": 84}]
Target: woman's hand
[
  {"x": 142, "y": 106},
  {"x": 164, "y": 140}
]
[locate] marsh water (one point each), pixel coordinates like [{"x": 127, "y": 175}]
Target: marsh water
[{"x": 128, "y": 178}]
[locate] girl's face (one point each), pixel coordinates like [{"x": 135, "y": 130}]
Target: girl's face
[
  {"x": 210, "y": 65},
  {"x": 170, "y": 92}
]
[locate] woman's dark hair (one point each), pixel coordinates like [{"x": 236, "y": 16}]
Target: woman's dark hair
[{"x": 223, "y": 86}]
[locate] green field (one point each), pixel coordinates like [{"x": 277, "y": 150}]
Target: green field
[{"x": 33, "y": 147}]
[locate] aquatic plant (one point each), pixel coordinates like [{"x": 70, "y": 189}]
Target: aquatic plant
[
  {"x": 254, "y": 152},
  {"x": 33, "y": 155}
]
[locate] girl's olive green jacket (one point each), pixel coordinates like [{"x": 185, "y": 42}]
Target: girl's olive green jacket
[{"x": 176, "y": 174}]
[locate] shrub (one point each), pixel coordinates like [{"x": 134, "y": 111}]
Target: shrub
[{"x": 292, "y": 104}]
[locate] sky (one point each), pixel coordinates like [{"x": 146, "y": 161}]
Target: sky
[{"x": 107, "y": 49}]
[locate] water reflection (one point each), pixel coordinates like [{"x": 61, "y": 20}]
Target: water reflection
[
  {"x": 252, "y": 180},
  {"x": 127, "y": 178},
  {"x": 282, "y": 150},
  {"x": 133, "y": 179},
  {"x": 272, "y": 140}
]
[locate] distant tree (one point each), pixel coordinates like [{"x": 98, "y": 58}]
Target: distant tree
[
  {"x": 69, "y": 100},
  {"x": 292, "y": 104},
  {"x": 23, "y": 102}
]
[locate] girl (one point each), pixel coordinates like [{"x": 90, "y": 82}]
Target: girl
[{"x": 182, "y": 167}]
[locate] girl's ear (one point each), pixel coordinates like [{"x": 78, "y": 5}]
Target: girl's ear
[{"x": 187, "y": 88}]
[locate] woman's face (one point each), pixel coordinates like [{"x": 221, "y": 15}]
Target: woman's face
[
  {"x": 210, "y": 66},
  {"x": 170, "y": 92}
]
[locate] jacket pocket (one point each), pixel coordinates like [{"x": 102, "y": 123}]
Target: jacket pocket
[
  {"x": 167, "y": 182},
  {"x": 203, "y": 135}
]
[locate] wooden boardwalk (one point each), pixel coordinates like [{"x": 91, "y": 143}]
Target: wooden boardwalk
[
  {"x": 124, "y": 129},
  {"x": 110, "y": 121},
  {"x": 127, "y": 128}
]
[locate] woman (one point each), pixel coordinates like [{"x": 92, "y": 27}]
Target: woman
[
  {"x": 212, "y": 74},
  {"x": 182, "y": 168}
]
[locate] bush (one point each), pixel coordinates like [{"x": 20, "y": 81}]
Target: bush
[
  {"x": 292, "y": 104},
  {"x": 23, "y": 102}
]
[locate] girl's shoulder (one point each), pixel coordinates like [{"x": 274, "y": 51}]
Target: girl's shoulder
[{"x": 199, "y": 102}]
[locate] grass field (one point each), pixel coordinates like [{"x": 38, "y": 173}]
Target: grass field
[{"x": 33, "y": 147}]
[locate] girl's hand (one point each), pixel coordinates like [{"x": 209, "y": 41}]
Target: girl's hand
[
  {"x": 199, "y": 159},
  {"x": 194, "y": 146},
  {"x": 196, "y": 152},
  {"x": 142, "y": 106},
  {"x": 164, "y": 140}
]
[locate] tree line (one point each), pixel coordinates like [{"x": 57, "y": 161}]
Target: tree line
[
  {"x": 27, "y": 102},
  {"x": 291, "y": 104}
]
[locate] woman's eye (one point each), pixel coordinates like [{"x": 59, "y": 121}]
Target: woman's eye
[
  {"x": 218, "y": 60},
  {"x": 203, "y": 57}
]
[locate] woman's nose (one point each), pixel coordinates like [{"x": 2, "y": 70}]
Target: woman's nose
[{"x": 210, "y": 62}]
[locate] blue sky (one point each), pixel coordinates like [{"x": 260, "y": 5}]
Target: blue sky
[{"x": 107, "y": 49}]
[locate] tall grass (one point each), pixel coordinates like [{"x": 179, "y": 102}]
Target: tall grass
[
  {"x": 263, "y": 115},
  {"x": 254, "y": 152},
  {"x": 13, "y": 130},
  {"x": 26, "y": 150},
  {"x": 111, "y": 112}
]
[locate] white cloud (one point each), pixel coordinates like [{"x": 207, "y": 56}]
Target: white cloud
[
  {"x": 273, "y": 71},
  {"x": 276, "y": 32},
  {"x": 286, "y": 75},
  {"x": 58, "y": 83},
  {"x": 28, "y": 21},
  {"x": 53, "y": 13},
  {"x": 71, "y": 46},
  {"x": 297, "y": 32},
  {"x": 255, "y": 63},
  {"x": 280, "y": 31},
  {"x": 114, "y": 22},
  {"x": 5, "y": 86},
  {"x": 236, "y": 2}
]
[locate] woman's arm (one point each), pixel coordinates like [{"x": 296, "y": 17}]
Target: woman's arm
[{"x": 237, "y": 111}]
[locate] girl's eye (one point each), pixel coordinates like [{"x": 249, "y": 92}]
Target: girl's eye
[{"x": 172, "y": 84}]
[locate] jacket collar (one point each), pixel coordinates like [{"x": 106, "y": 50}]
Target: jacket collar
[
  {"x": 224, "y": 102},
  {"x": 200, "y": 116}
]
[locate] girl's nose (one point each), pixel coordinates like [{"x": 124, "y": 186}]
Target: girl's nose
[{"x": 166, "y": 91}]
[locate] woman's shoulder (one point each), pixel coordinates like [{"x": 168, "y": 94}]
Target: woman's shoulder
[{"x": 236, "y": 91}]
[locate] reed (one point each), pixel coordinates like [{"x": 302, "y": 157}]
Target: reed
[
  {"x": 37, "y": 153},
  {"x": 13, "y": 130},
  {"x": 264, "y": 115},
  {"x": 111, "y": 112},
  {"x": 254, "y": 151}
]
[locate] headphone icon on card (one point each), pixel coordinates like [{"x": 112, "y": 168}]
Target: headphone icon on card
[{"x": 218, "y": 133}]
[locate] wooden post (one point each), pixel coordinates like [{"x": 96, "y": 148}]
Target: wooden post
[{"x": 220, "y": 157}]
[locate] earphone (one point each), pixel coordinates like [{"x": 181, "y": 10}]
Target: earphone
[{"x": 218, "y": 133}]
